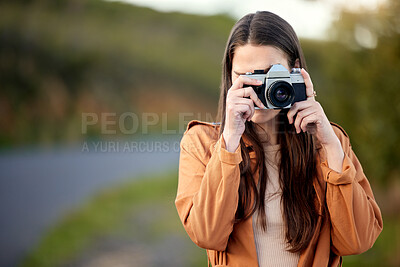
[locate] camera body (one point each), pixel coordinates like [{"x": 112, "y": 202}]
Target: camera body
[{"x": 280, "y": 88}]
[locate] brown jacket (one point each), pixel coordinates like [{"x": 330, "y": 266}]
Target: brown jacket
[{"x": 207, "y": 200}]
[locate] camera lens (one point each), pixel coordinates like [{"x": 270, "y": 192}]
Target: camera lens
[{"x": 280, "y": 94}]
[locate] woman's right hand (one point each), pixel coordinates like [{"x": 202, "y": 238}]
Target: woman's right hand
[{"x": 239, "y": 109}]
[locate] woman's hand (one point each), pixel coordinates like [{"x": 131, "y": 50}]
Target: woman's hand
[
  {"x": 311, "y": 118},
  {"x": 239, "y": 109}
]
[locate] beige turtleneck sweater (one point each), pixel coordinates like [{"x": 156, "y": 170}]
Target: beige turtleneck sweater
[{"x": 271, "y": 245}]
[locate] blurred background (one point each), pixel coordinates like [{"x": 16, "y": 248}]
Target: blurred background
[{"x": 95, "y": 96}]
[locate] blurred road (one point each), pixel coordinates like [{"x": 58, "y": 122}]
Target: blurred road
[{"x": 37, "y": 186}]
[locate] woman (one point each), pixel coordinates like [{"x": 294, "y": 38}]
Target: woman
[{"x": 272, "y": 187}]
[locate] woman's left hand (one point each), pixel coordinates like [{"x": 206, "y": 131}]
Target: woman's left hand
[{"x": 311, "y": 117}]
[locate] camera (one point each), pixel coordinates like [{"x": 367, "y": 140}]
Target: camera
[{"x": 280, "y": 89}]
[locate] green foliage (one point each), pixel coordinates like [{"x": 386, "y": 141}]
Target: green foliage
[
  {"x": 59, "y": 59},
  {"x": 359, "y": 87},
  {"x": 119, "y": 213}
]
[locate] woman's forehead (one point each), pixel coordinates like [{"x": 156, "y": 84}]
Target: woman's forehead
[{"x": 249, "y": 57}]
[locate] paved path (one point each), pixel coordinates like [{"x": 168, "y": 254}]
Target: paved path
[{"x": 38, "y": 186}]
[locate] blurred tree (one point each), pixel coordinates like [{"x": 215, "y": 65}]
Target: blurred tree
[
  {"x": 61, "y": 58},
  {"x": 364, "y": 84}
]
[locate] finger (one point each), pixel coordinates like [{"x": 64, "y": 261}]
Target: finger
[
  {"x": 246, "y": 101},
  {"x": 248, "y": 92},
  {"x": 308, "y": 83},
  {"x": 301, "y": 117},
  {"x": 235, "y": 107},
  {"x": 308, "y": 120},
  {"x": 242, "y": 80},
  {"x": 244, "y": 110},
  {"x": 250, "y": 103},
  {"x": 297, "y": 107}
]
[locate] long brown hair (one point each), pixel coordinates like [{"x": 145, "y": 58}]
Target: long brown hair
[{"x": 297, "y": 167}]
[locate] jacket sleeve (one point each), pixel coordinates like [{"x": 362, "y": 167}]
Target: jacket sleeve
[
  {"x": 207, "y": 195},
  {"x": 356, "y": 220}
]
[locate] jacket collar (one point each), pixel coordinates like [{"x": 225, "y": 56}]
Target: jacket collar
[{"x": 318, "y": 183}]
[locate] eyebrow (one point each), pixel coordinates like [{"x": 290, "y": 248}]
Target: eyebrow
[{"x": 265, "y": 71}]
